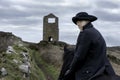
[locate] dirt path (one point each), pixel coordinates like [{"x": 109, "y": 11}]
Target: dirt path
[{"x": 116, "y": 68}]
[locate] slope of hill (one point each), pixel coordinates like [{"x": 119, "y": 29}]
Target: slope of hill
[
  {"x": 21, "y": 60},
  {"x": 16, "y": 61},
  {"x": 114, "y": 56}
]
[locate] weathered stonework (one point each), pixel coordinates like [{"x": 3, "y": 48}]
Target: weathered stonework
[{"x": 50, "y": 28}]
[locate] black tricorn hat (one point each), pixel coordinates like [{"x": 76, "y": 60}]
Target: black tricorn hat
[{"x": 83, "y": 16}]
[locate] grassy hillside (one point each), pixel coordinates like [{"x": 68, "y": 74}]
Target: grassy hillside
[
  {"x": 39, "y": 69},
  {"x": 12, "y": 68},
  {"x": 21, "y": 60}
]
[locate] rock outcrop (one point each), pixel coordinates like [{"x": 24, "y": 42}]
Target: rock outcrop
[
  {"x": 16, "y": 59},
  {"x": 8, "y": 39}
]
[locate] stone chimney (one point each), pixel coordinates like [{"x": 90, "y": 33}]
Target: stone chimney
[{"x": 50, "y": 28}]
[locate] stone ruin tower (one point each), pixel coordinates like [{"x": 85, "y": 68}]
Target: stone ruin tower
[{"x": 50, "y": 28}]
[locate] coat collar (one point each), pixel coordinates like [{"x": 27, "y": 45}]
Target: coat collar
[{"x": 89, "y": 25}]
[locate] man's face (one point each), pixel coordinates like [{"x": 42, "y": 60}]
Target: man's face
[{"x": 81, "y": 23}]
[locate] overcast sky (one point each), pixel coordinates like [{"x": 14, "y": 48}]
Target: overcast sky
[{"x": 24, "y": 18}]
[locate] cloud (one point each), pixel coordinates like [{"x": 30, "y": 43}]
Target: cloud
[
  {"x": 107, "y": 4},
  {"x": 25, "y": 17},
  {"x": 17, "y": 11},
  {"x": 112, "y": 40},
  {"x": 107, "y": 16},
  {"x": 22, "y": 21}
]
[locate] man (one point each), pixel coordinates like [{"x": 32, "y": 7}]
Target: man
[{"x": 90, "y": 61}]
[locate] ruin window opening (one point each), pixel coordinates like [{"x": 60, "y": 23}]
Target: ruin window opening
[
  {"x": 51, "y": 20},
  {"x": 50, "y": 39}
]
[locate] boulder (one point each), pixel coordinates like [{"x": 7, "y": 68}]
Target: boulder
[
  {"x": 24, "y": 68},
  {"x": 3, "y": 71}
]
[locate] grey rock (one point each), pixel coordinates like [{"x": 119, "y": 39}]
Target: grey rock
[
  {"x": 24, "y": 68},
  {"x": 10, "y": 50},
  {"x": 3, "y": 71},
  {"x": 15, "y": 61}
]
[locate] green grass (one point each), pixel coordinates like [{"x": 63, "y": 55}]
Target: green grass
[
  {"x": 48, "y": 68},
  {"x": 36, "y": 72}
]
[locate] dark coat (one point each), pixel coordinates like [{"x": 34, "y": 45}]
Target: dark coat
[{"x": 90, "y": 58}]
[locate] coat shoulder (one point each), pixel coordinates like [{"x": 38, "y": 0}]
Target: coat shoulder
[
  {"x": 89, "y": 32},
  {"x": 92, "y": 32}
]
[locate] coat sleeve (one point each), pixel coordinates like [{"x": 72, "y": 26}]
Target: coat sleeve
[{"x": 83, "y": 44}]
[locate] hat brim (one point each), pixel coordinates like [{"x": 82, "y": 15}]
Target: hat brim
[{"x": 88, "y": 18}]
